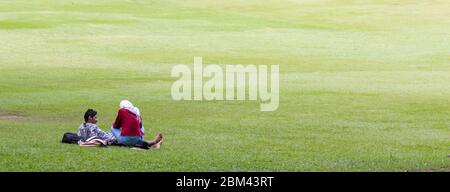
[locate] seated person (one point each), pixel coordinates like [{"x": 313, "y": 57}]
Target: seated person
[
  {"x": 90, "y": 129},
  {"x": 128, "y": 129}
]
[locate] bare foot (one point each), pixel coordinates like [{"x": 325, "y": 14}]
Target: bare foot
[
  {"x": 159, "y": 143},
  {"x": 158, "y": 138}
]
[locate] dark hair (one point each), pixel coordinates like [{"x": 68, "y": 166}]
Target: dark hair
[{"x": 89, "y": 113}]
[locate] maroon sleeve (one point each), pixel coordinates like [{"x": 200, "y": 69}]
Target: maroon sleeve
[{"x": 118, "y": 122}]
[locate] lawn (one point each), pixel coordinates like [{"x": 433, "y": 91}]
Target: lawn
[{"x": 364, "y": 85}]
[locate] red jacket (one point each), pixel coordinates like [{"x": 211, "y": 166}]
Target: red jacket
[{"x": 130, "y": 123}]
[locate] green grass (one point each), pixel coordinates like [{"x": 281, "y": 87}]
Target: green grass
[{"x": 364, "y": 85}]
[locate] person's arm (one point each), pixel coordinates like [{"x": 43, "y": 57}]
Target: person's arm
[
  {"x": 102, "y": 134},
  {"x": 118, "y": 122},
  {"x": 142, "y": 126}
]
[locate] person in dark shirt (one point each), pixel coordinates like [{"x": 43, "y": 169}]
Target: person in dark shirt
[{"x": 89, "y": 128}]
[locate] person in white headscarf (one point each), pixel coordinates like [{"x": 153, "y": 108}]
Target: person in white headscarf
[
  {"x": 128, "y": 128},
  {"x": 125, "y": 104}
]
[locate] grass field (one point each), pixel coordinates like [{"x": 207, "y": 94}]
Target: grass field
[{"x": 364, "y": 85}]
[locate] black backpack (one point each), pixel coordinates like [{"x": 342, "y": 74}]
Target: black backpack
[{"x": 71, "y": 138}]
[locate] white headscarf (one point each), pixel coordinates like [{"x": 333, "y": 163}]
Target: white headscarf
[{"x": 129, "y": 106}]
